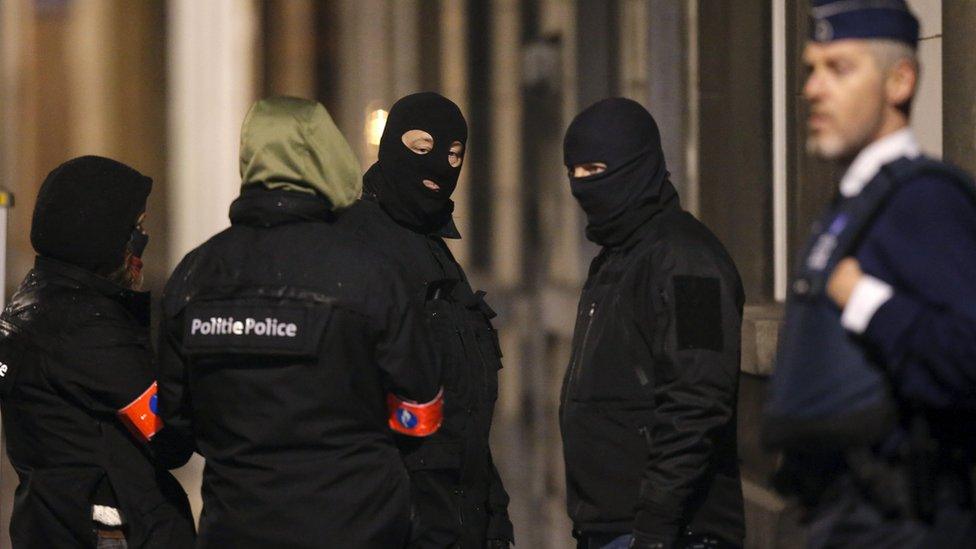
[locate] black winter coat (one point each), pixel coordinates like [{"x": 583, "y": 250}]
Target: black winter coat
[
  {"x": 648, "y": 403},
  {"x": 456, "y": 487},
  {"x": 74, "y": 350},
  {"x": 291, "y": 418}
]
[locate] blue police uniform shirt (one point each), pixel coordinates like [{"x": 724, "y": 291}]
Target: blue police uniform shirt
[{"x": 916, "y": 305}]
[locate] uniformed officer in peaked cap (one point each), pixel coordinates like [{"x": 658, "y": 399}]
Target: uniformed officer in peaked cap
[{"x": 874, "y": 393}]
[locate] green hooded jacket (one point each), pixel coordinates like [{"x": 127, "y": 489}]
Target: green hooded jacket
[{"x": 293, "y": 144}]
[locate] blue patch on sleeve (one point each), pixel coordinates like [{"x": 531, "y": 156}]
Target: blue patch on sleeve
[{"x": 406, "y": 419}]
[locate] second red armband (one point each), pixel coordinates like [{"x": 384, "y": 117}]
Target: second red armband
[{"x": 413, "y": 419}]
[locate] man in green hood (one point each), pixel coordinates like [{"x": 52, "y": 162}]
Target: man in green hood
[{"x": 289, "y": 354}]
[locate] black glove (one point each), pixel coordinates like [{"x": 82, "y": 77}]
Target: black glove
[{"x": 498, "y": 544}]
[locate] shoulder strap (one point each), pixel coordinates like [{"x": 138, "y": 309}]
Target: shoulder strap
[
  {"x": 924, "y": 165},
  {"x": 895, "y": 175}
]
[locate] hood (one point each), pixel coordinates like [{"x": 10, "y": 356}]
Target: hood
[
  {"x": 293, "y": 144},
  {"x": 86, "y": 212}
]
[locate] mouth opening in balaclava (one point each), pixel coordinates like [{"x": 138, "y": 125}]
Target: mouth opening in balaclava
[
  {"x": 401, "y": 190},
  {"x": 621, "y": 134}
]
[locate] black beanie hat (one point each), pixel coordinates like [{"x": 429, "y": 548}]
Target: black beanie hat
[{"x": 86, "y": 210}]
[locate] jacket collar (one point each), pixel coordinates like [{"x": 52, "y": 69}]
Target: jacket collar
[
  {"x": 267, "y": 208},
  {"x": 137, "y": 303},
  {"x": 448, "y": 230},
  {"x": 645, "y": 228},
  {"x": 83, "y": 277},
  {"x": 869, "y": 161}
]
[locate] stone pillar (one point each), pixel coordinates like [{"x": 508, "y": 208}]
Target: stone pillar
[
  {"x": 453, "y": 54},
  {"x": 634, "y": 54},
  {"x": 289, "y": 48},
  {"x": 17, "y": 154},
  {"x": 959, "y": 81},
  {"x": 89, "y": 64},
  {"x": 409, "y": 45},
  {"x": 928, "y": 105},
  {"x": 211, "y": 86},
  {"x": 506, "y": 148},
  {"x": 364, "y": 67},
  {"x": 666, "y": 64}
]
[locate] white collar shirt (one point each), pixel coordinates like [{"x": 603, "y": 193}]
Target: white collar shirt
[{"x": 870, "y": 160}]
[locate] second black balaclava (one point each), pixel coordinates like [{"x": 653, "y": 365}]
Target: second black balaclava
[
  {"x": 623, "y": 135},
  {"x": 399, "y": 186},
  {"x": 86, "y": 212}
]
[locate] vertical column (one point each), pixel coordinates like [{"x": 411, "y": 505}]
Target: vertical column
[
  {"x": 289, "y": 48},
  {"x": 409, "y": 44},
  {"x": 562, "y": 226},
  {"x": 16, "y": 154},
  {"x": 634, "y": 51},
  {"x": 211, "y": 79},
  {"x": 780, "y": 151},
  {"x": 365, "y": 72},
  {"x": 454, "y": 85},
  {"x": 89, "y": 63},
  {"x": 959, "y": 81},
  {"x": 666, "y": 66},
  {"x": 692, "y": 186},
  {"x": 927, "y": 107},
  {"x": 506, "y": 141}
]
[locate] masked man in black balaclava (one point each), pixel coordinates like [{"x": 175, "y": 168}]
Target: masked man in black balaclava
[
  {"x": 77, "y": 382},
  {"x": 647, "y": 410},
  {"x": 405, "y": 213}
]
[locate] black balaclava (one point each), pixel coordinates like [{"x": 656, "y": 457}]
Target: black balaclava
[
  {"x": 397, "y": 177},
  {"x": 623, "y": 135},
  {"x": 87, "y": 211}
]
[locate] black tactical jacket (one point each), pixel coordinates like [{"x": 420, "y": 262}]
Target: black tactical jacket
[
  {"x": 648, "y": 403},
  {"x": 74, "y": 350},
  {"x": 457, "y": 489},
  {"x": 291, "y": 417}
]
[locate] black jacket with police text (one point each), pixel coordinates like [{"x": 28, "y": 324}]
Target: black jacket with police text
[
  {"x": 457, "y": 489},
  {"x": 281, "y": 340},
  {"x": 648, "y": 403},
  {"x": 74, "y": 350}
]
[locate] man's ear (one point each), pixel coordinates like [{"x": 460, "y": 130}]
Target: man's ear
[{"x": 900, "y": 83}]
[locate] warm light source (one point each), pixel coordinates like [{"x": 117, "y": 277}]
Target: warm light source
[{"x": 375, "y": 122}]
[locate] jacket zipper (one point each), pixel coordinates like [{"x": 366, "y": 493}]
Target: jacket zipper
[
  {"x": 574, "y": 367},
  {"x": 646, "y": 434}
]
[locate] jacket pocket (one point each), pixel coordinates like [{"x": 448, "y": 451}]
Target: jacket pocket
[
  {"x": 447, "y": 338},
  {"x": 55, "y": 509},
  {"x": 489, "y": 354}
]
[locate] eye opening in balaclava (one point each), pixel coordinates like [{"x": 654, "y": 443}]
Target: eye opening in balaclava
[
  {"x": 590, "y": 169},
  {"x": 403, "y": 191},
  {"x": 418, "y": 141},
  {"x": 621, "y": 134}
]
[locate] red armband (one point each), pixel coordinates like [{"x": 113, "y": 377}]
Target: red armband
[
  {"x": 416, "y": 420},
  {"x": 140, "y": 415}
]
